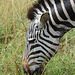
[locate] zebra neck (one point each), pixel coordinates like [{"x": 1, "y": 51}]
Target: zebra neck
[{"x": 60, "y": 10}]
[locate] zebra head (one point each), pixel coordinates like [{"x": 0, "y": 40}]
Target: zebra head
[
  {"x": 42, "y": 42},
  {"x": 33, "y": 57},
  {"x": 50, "y": 20}
]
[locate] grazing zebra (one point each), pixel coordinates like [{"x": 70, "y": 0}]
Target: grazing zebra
[{"x": 50, "y": 20}]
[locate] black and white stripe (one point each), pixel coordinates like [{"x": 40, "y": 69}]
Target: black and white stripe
[{"x": 43, "y": 39}]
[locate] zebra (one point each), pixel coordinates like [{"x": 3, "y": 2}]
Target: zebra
[{"x": 50, "y": 20}]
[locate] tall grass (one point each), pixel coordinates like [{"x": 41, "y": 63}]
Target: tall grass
[{"x": 13, "y": 27}]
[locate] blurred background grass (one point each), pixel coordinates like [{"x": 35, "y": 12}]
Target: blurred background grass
[{"x": 13, "y": 27}]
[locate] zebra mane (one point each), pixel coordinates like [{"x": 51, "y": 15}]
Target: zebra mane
[{"x": 31, "y": 10}]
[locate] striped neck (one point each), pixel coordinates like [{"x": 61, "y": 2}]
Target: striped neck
[{"x": 59, "y": 10}]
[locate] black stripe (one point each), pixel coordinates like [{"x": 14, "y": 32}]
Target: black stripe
[
  {"x": 47, "y": 46},
  {"x": 53, "y": 13},
  {"x": 35, "y": 63},
  {"x": 43, "y": 61},
  {"x": 48, "y": 41},
  {"x": 47, "y": 51},
  {"x": 74, "y": 1},
  {"x": 37, "y": 45},
  {"x": 65, "y": 23},
  {"x": 54, "y": 27},
  {"x": 69, "y": 9},
  {"x": 68, "y": 24},
  {"x": 38, "y": 57},
  {"x": 37, "y": 52},
  {"x": 38, "y": 7},
  {"x": 60, "y": 10},
  {"x": 34, "y": 46},
  {"x": 54, "y": 36},
  {"x": 45, "y": 34},
  {"x": 31, "y": 41},
  {"x": 43, "y": 4}
]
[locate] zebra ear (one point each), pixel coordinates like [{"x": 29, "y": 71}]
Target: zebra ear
[{"x": 44, "y": 17}]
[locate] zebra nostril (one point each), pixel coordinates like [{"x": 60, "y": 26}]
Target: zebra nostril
[
  {"x": 24, "y": 71},
  {"x": 31, "y": 40},
  {"x": 38, "y": 71}
]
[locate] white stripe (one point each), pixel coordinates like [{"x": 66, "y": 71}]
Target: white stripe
[
  {"x": 38, "y": 48},
  {"x": 55, "y": 40},
  {"x": 35, "y": 60},
  {"x": 64, "y": 9},
  {"x": 53, "y": 22},
  {"x": 33, "y": 67},
  {"x": 39, "y": 13},
  {"x": 49, "y": 50},
  {"x": 51, "y": 30},
  {"x": 48, "y": 44},
  {"x": 43, "y": 8},
  {"x": 56, "y": 11},
  {"x": 72, "y": 22},
  {"x": 36, "y": 55},
  {"x": 63, "y": 26},
  {"x": 73, "y": 5}
]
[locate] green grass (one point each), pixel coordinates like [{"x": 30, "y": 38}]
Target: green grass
[{"x": 13, "y": 27}]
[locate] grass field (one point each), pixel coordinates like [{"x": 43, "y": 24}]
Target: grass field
[{"x": 13, "y": 27}]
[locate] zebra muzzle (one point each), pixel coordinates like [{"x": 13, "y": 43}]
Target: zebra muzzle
[{"x": 25, "y": 66}]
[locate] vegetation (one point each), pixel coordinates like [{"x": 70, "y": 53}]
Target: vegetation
[{"x": 13, "y": 27}]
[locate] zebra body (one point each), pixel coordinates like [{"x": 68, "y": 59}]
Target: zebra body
[{"x": 50, "y": 20}]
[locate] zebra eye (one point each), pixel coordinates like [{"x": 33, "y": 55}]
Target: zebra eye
[{"x": 36, "y": 27}]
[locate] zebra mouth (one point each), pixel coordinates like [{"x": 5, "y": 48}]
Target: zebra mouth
[
  {"x": 25, "y": 72},
  {"x": 38, "y": 71},
  {"x": 25, "y": 66}
]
